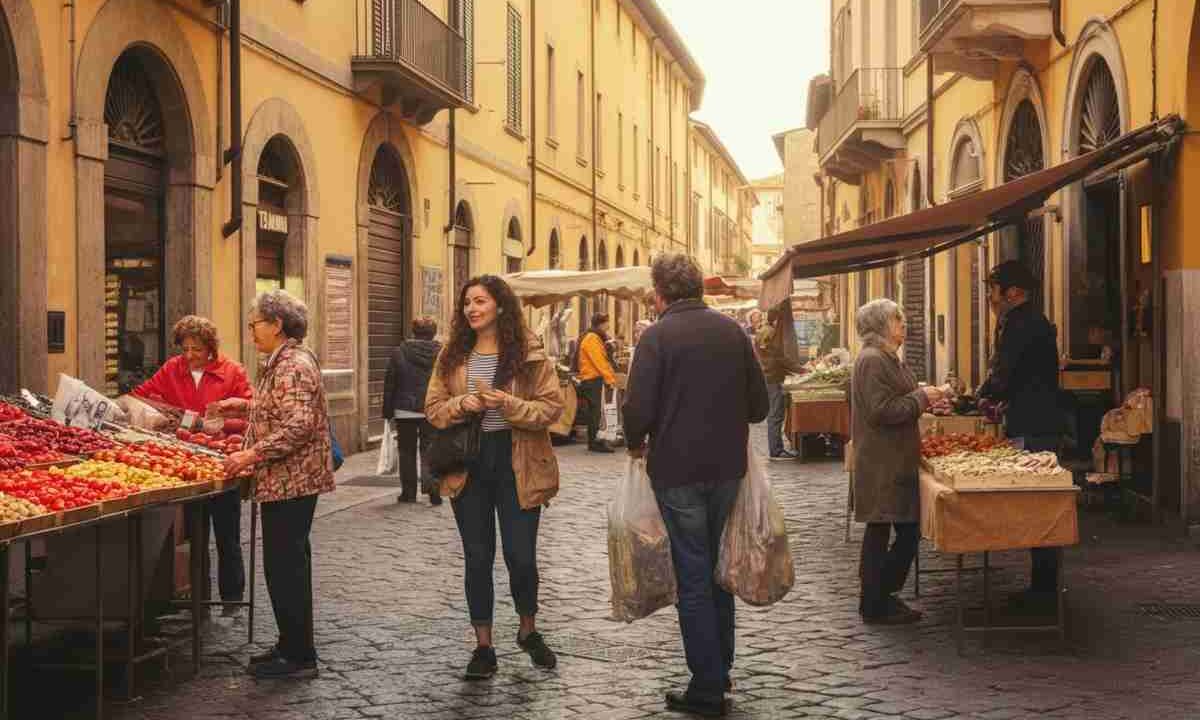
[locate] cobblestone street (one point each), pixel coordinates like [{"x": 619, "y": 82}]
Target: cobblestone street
[{"x": 393, "y": 637}]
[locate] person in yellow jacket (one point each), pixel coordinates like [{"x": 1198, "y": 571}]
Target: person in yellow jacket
[{"x": 595, "y": 372}]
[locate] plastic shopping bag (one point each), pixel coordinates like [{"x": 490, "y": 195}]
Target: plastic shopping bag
[
  {"x": 609, "y": 425},
  {"x": 755, "y": 560},
  {"x": 141, "y": 414},
  {"x": 639, "y": 551},
  {"x": 389, "y": 454}
]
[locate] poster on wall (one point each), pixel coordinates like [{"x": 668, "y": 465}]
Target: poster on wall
[
  {"x": 431, "y": 292},
  {"x": 339, "y": 303}
]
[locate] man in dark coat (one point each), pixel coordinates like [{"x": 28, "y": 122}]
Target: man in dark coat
[
  {"x": 694, "y": 388},
  {"x": 404, "y": 388},
  {"x": 1024, "y": 375}
]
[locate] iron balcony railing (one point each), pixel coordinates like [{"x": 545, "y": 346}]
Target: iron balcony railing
[
  {"x": 868, "y": 95},
  {"x": 407, "y": 32}
]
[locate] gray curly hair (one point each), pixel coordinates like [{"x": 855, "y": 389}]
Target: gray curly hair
[
  {"x": 287, "y": 308},
  {"x": 677, "y": 276},
  {"x": 872, "y": 320}
]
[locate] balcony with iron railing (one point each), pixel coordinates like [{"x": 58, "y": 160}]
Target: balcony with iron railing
[
  {"x": 862, "y": 125},
  {"x": 411, "y": 56},
  {"x": 974, "y": 37}
]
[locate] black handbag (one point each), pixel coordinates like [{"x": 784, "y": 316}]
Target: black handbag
[{"x": 455, "y": 447}]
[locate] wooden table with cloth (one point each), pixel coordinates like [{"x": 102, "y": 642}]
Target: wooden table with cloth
[
  {"x": 816, "y": 417},
  {"x": 962, "y": 521}
]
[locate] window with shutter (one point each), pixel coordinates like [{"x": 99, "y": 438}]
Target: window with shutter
[
  {"x": 551, "y": 94},
  {"x": 914, "y": 313},
  {"x": 580, "y": 115},
  {"x": 514, "y": 69},
  {"x": 599, "y": 130},
  {"x": 467, "y": 28}
]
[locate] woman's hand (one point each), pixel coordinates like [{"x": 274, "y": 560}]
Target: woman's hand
[
  {"x": 240, "y": 461},
  {"x": 494, "y": 399},
  {"x": 472, "y": 403},
  {"x": 230, "y": 407}
]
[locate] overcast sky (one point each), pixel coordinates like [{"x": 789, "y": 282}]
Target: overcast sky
[{"x": 757, "y": 57}]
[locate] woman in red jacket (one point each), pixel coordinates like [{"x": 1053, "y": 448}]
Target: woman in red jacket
[{"x": 196, "y": 378}]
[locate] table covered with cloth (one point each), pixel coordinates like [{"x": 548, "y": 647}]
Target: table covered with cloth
[
  {"x": 970, "y": 521},
  {"x": 813, "y": 417}
]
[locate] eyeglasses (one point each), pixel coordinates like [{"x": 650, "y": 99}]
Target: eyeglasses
[{"x": 252, "y": 323}]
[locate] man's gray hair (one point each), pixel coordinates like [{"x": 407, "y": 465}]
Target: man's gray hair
[
  {"x": 677, "y": 276},
  {"x": 872, "y": 321},
  {"x": 287, "y": 308}
]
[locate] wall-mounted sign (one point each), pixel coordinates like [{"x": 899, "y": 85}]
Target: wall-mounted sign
[
  {"x": 431, "y": 295},
  {"x": 272, "y": 222}
]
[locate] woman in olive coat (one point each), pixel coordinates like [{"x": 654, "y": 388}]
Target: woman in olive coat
[{"x": 885, "y": 407}]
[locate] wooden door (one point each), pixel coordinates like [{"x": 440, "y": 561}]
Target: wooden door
[{"x": 388, "y": 305}]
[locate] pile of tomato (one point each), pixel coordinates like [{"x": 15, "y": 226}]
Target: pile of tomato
[
  {"x": 9, "y": 413},
  {"x": 172, "y": 462},
  {"x": 55, "y": 491},
  {"x": 58, "y": 437},
  {"x": 940, "y": 445},
  {"x": 16, "y": 454}
]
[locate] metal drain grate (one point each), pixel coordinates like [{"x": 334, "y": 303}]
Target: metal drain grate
[{"x": 1170, "y": 611}]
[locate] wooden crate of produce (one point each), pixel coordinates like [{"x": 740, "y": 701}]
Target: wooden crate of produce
[
  {"x": 79, "y": 514},
  {"x": 38, "y": 524},
  {"x": 1062, "y": 480}
]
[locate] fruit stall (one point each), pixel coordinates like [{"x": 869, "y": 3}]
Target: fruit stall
[
  {"x": 819, "y": 402},
  {"x": 94, "y": 502},
  {"x": 980, "y": 495}
]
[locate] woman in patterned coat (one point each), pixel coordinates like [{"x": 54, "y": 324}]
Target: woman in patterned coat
[{"x": 288, "y": 446}]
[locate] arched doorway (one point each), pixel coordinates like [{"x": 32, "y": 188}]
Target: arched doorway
[
  {"x": 1023, "y": 154},
  {"x": 135, "y": 273},
  {"x": 584, "y": 315},
  {"x": 619, "y": 306},
  {"x": 966, "y": 177},
  {"x": 143, "y": 152},
  {"x": 24, "y": 131},
  {"x": 280, "y": 184},
  {"x": 513, "y": 246},
  {"x": 1094, "y": 284},
  {"x": 464, "y": 226},
  {"x": 389, "y": 270}
]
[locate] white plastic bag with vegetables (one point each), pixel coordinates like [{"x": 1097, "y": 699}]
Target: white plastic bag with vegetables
[
  {"x": 755, "y": 560},
  {"x": 639, "y": 551}
]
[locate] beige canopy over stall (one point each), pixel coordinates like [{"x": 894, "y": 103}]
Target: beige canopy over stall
[{"x": 540, "y": 288}]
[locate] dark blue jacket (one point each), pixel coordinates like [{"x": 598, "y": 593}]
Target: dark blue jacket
[
  {"x": 694, "y": 388},
  {"x": 1024, "y": 373}
]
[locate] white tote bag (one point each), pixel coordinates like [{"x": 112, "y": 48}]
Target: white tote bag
[{"x": 389, "y": 460}]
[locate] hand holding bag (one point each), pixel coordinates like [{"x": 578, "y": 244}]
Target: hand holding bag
[{"x": 455, "y": 447}]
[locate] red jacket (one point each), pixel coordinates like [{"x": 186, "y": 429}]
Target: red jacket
[{"x": 173, "y": 384}]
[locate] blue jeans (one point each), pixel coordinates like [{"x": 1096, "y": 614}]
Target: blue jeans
[
  {"x": 491, "y": 490},
  {"x": 779, "y": 403},
  {"x": 695, "y": 518}
]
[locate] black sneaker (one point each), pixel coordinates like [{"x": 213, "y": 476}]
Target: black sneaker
[
  {"x": 482, "y": 665},
  {"x": 435, "y": 499},
  {"x": 281, "y": 668},
  {"x": 541, "y": 655},
  {"x": 680, "y": 702},
  {"x": 268, "y": 656}
]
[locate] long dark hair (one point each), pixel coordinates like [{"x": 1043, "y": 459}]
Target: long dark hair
[{"x": 510, "y": 331}]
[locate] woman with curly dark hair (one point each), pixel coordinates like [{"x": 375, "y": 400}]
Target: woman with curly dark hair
[{"x": 494, "y": 371}]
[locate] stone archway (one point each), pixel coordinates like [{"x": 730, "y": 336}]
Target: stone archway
[
  {"x": 24, "y": 131},
  {"x": 277, "y": 123},
  {"x": 1097, "y": 52},
  {"x": 149, "y": 30},
  {"x": 386, "y": 134}
]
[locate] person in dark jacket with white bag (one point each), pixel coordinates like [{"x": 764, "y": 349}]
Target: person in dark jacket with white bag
[
  {"x": 404, "y": 388},
  {"x": 694, "y": 388}
]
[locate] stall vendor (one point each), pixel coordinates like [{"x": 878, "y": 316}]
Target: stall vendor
[
  {"x": 192, "y": 380},
  {"x": 1023, "y": 375},
  {"x": 772, "y": 355}
]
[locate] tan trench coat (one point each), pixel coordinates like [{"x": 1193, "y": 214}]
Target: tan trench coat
[
  {"x": 885, "y": 405},
  {"x": 535, "y": 403}
]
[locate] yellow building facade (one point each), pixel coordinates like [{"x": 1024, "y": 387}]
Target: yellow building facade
[
  {"x": 1016, "y": 87},
  {"x": 389, "y": 150},
  {"x": 722, "y": 204}
]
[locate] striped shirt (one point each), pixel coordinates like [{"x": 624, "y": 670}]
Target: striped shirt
[{"x": 482, "y": 367}]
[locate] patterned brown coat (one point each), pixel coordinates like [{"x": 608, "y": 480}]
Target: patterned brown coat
[{"x": 289, "y": 428}]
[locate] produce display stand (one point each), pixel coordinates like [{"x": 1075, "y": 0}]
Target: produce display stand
[
  {"x": 816, "y": 417},
  {"x": 974, "y": 521},
  {"x": 90, "y": 518}
]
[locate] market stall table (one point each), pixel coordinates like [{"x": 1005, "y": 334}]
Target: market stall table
[
  {"x": 962, "y": 521},
  {"x": 816, "y": 417}
]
